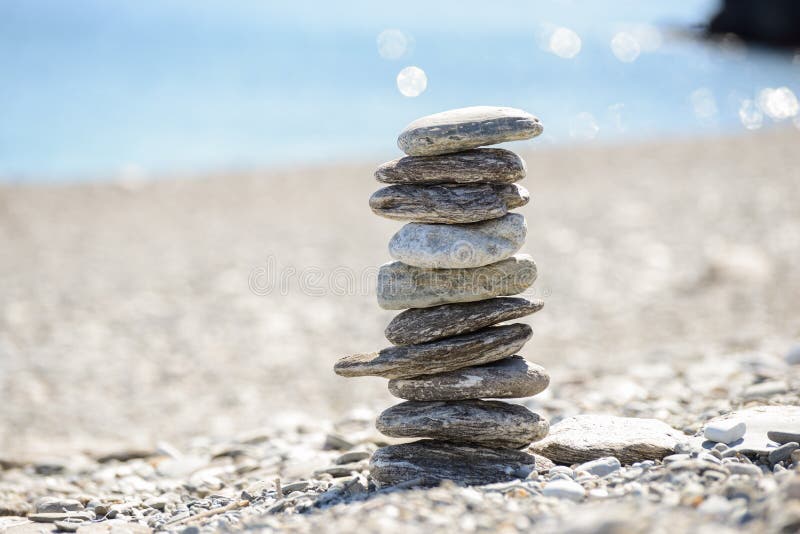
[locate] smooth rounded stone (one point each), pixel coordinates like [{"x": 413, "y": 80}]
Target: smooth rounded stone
[
  {"x": 601, "y": 467},
  {"x": 725, "y": 431},
  {"x": 564, "y": 489},
  {"x": 429, "y": 462},
  {"x": 447, "y": 203},
  {"x": 459, "y": 246},
  {"x": 402, "y": 286},
  {"x": 509, "y": 378},
  {"x": 482, "y": 165},
  {"x": 57, "y": 505},
  {"x": 464, "y": 128},
  {"x": 419, "y": 325},
  {"x": 749, "y": 470},
  {"x": 784, "y": 452},
  {"x": 449, "y": 354},
  {"x": 793, "y": 355},
  {"x": 582, "y": 438},
  {"x": 760, "y": 421},
  {"x": 484, "y": 423},
  {"x": 783, "y": 437}
]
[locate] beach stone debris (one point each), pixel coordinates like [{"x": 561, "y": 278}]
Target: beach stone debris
[
  {"x": 449, "y": 354},
  {"x": 457, "y": 268},
  {"x": 509, "y": 378},
  {"x": 420, "y": 325},
  {"x": 479, "y": 422},
  {"x": 445, "y": 246},
  {"x": 430, "y": 462},
  {"x": 482, "y": 165},
  {"x": 447, "y": 203},
  {"x": 725, "y": 431},
  {"x": 402, "y": 286},
  {"x": 582, "y": 438},
  {"x": 601, "y": 467},
  {"x": 465, "y": 128},
  {"x": 760, "y": 421},
  {"x": 564, "y": 489}
]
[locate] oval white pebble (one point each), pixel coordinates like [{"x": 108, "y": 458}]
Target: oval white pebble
[
  {"x": 725, "y": 431},
  {"x": 564, "y": 489}
]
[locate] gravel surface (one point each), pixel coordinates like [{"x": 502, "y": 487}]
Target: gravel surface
[{"x": 148, "y": 375}]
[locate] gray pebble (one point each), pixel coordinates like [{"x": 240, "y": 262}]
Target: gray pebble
[
  {"x": 441, "y": 356},
  {"x": 783, "y": 452},
  {"x": 783, "y": 437},
  {"x": 482, "y": 165},
  {"x": 464, "y": 128},
  {"x": 601, "y": 467},
  {"x": 478, "y": 422},
  {"x": 512, "y": 377}
]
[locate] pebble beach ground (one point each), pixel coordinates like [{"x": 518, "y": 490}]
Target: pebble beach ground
[{"x": 149, "y": 374}]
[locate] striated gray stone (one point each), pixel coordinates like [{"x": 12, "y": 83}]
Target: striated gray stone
[
  {"x": 402, "y": 286},
  {"x": 430, "y": 462},
  {"x": 582, "y": 438},
  {"x": 478, "y": 422},
  {"x": 419, "y": 325},
  {"x": 447, "y": 203},
  {"x": 483, "y": 165},
  {"x": 465, "y": 128},
  {"x": 449, "y": 354},
  {"x": 509, "y": 378},
  {"x": 459, "y": 246}
]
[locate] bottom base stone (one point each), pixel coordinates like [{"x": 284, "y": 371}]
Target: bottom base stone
[{"x": 429, "y": 462}]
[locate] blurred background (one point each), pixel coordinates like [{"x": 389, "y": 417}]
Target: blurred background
[{"x": 170, "y": 171}]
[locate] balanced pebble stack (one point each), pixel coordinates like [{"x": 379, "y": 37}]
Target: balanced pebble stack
[{"x": 457, "y": 267}]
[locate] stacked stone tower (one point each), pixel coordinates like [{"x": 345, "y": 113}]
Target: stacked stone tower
[{"x": 457, "y": 265}]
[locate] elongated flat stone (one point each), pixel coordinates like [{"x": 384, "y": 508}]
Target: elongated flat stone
[
  {"x": 420, "y": 325},
  {"x": 483, "y": 165},
  {"x": 459, "y": 246},
  {"x": 465, "y": 128},
  {"x": 475, "y": 348},
  {"x": 402, "y": 286},
  {"x": 582, "y": 438},
  {"x": 447, "y": 203},
  {"x": 429, "y": 462},
  {"x": 510, "y": 378},
  {"x": 478, "y": 422}
]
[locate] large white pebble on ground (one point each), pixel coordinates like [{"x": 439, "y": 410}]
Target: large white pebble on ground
[
  {"x": 458, "y": 246},
  {"x": 725, "y": 431}
]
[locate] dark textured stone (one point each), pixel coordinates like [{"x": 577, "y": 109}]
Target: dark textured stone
[
  {"x": 430, "y": 462},
  {"x": 478, "y": 422},
  {"x": 447, "y": 203},
  {"x": 402, "y": 286},
  {"x": 464, "y": 128},
  {"x": 475, "y": 348},
  {"x": 509, "y": 378},
  {"x": 420, "y": 325},
  {"x": 483, "y": 165}
]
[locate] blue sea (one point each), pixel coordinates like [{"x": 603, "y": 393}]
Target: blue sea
[{"x": 98, "y": 89}]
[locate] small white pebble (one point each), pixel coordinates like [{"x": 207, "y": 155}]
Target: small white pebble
[
  {"x": 725, "y": 430},
  {"x": 564, "y": 489}
]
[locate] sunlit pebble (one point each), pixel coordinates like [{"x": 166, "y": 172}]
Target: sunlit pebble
[
  {"x": 412, "y": 81},
  {"x": 704, "y": 103},
  {"x": 565, "y": 43},
  {"x": 750, "y": 115},
  {"x": 392, "y": 44},
  {"x": 584, "y": 126},
  {"x": 778, "y": 104},
  {"x": 625, "y": 47}
]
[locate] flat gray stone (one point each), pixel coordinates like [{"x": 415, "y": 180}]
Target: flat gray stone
[
  {"x": 459, "y": 246},
  {"x": 760, "y": 421},
  {"x": 476, "y": 348},
  {"x": 420, "y": 325},
  {"x": 447, "y": 203},
  {"x": 402, "y": 286},
  {"x": 477, "y": 422},
  {"x": 429, "y": 462},
  {"x": 510, "y": 378},
  {"x": 582, "y": 438},
  {"x": 483, "y": 165},
  {"x": 783, "y": 437},
  {"x": 465, "y": 128}
]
